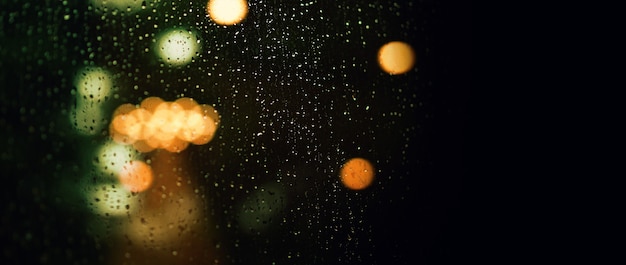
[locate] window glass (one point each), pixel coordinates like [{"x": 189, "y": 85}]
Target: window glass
[{"x": 232, "y": 131}]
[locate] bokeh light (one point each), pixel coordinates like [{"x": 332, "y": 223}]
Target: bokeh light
[
  {"x": 93, "y": 84},
  {"x": 111, "y": 157},
  {"x": 177, "y": 47},
  {"x": 166, "y": 125},
  {"x": 160, "y": 216},
  {"x": 93, "y": 88},
  {"x": 357, "y": 174},
  {"x": 172, "y": 210},
  {"x": 87, "y": 118},
  {"x": 227, "y": 12},
  {"x": 396, "y": 57},
  {"x": 111, "y": 200},
  {"x": 136, "y": 176}
]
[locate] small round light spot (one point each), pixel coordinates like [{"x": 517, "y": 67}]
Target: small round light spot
[
  {"x": 94, "y": 84},
  {"x": 227, "y": 12},
  {"x": 136, "y": 176},
  {"x": 177, "y": 47},
  {"x": 396, "y": 57},
  {"x": 357, "y": 174}
]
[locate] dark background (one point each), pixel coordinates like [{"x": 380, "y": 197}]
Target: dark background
[{"x": 420, "y": 210}]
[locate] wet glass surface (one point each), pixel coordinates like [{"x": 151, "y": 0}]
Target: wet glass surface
[{"x": 268, "y": 132}]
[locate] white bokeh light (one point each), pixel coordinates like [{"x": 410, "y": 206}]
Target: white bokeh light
[
  {"x": 93, "y": 84},
  {"x": 111, "y": 157},
  {"x": 111, "y": 200},
  {"x": 87, "y": 118},
  {"x": 177, "y": 47}
]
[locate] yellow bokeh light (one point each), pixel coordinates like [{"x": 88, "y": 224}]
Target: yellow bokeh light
[
  {"x": 357, "y": 174},
  {"x": 193, "y": 126},
  {"x": 396, "y": 57},
  {"x": 145, "y": 146},
  {"x": 138, "y": 129},
  {"x": 151, "y": 103},
  {"x": 177, "y": 47},
  {"x": 166, "y": 125},
  {"x": 164, "y": 121},
  {"x": 227, "y": 12},
  {"x": 210, "y": 119}
]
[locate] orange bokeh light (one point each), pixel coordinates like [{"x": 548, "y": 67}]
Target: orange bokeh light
[
  {"x": 166, "y": 125},
  {"x": 396, "y": 57},
  {"x": 136, "y": 176},
  {"x": 357, "y": 174}
]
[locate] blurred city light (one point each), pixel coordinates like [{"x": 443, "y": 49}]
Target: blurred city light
[
  {"x": 111, "y": 157},
  {"x": 111, "y": 200},
  {"x": 87, "y": 118},
  {"x": 396, "y": 57},
  {"x": 93, "y": 84},
  {"x": 171, "y": 209},
  {"x": 357, "y": 174},
  {"x": 136, "y": 176},
  {"x": 166, "y": 125},
  {"x": 177, "y": 47},
  {"x": 227, "y": 12},
  {"x": 93, "y": 88}
]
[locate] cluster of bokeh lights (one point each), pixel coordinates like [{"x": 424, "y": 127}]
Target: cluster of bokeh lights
[
  {"x": 156, "y": 123},
  {"x": 172, "y": 126}
]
